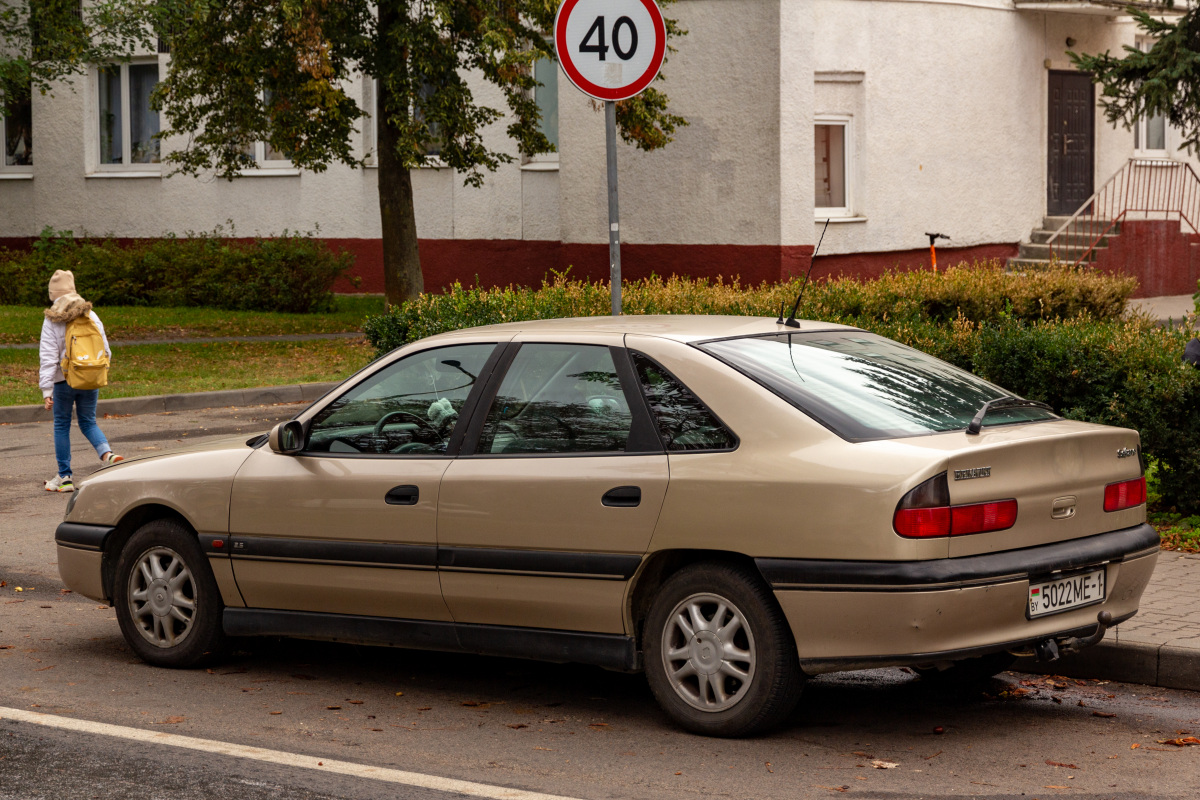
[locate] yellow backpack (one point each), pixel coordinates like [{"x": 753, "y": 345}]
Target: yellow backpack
[{"x": 85, "y": 364}]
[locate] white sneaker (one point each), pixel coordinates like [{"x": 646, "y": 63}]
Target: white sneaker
[
  {"x": 60, "y": 483},
  {"x": 110, "y": 458}
]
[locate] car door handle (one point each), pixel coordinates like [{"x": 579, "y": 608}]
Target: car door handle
[
  {"x": 622, "y": 497},
  {"x": 402, "y": 496}
]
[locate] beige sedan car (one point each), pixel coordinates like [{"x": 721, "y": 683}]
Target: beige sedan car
[{"x": 729, "y": 504}]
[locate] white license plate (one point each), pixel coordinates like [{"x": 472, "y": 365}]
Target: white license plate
[{"x": 1063, "y": 594}]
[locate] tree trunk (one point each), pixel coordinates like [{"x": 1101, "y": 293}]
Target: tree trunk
[{"x": 402, "y": 279}]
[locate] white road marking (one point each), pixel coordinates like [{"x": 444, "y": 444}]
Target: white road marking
[{"x": 317, "y": 763}]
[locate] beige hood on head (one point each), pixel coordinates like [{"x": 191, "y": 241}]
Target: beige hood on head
[{"x": 67, "y": 308}]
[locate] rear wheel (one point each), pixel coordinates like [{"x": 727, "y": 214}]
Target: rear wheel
[
  {"x": 719, "y": 654},
  {"x": 969, "y": 670},
  {"x": 167, "y": 601}
]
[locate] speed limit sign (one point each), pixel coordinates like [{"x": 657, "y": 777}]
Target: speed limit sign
[{"x": 610, "y": 49}]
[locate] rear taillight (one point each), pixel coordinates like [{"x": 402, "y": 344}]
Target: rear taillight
[
  {"x": 926, "y": 512},
  {"x": 983, "y": 517},
  {"x": 1126, "y": 494}
]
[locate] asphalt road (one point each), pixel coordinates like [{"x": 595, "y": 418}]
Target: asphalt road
[{"x": 330, "y": 714}]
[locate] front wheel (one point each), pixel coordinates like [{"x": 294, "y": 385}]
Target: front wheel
[
  {"x": 719, "y": 654},
  {"x": 167, "y": 601}
]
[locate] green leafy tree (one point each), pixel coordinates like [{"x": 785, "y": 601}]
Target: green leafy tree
[
  {"x": 276, "y": 71},
  {"x": 44, "y": 43},
  {"x": 1164, "y": 81}
]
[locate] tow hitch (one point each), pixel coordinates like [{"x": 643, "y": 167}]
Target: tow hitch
[{"x": 1051, "y": 649}]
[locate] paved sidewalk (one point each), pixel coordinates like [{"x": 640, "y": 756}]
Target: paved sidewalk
[
  {"x": 1158, "y": 647},
  {"x": 1173, "y": 308},
  {"x": 153, "y": 404}
]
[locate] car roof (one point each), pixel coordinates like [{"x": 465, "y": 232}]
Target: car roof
[{"x": 681, "y": 327}]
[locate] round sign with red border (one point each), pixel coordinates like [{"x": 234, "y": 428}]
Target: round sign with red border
[{"x": 610, "y": 49}]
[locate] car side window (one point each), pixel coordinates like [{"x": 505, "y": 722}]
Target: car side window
[
  {"x": 409, "y": 407},
  {"x": 558, "y": 398},
  {"x": 683, "y": 421}
]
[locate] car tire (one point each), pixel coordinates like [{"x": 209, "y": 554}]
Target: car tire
[
  {"x": 167, "y": 601},
  {"x": 969, "y": 670},
  {"x": 716, "y": 619}
]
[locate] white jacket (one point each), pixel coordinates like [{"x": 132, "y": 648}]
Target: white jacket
[{"x": 54, "y": 346}]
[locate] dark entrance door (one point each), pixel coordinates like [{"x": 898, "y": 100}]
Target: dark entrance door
[{"x": 1072, "y": 115}]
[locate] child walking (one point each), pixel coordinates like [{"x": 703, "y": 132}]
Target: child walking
[{"x": 65, "y": 307}]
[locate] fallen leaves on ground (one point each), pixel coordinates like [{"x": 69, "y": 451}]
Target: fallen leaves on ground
[
  {"x": 1102, "y": 714},
  {"x": 516, "y": 726},
  {"x": 1060, "y": 764},
  {"x": 1185, "y": 741},
  {"x": 172, "y": 721},
  {"x": 881, "y": 764}
]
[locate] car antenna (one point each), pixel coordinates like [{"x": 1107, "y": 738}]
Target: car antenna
[{"x": 791, "y": 320}]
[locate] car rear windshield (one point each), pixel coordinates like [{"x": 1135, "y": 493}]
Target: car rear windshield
[{"x": 862, "y": 386}]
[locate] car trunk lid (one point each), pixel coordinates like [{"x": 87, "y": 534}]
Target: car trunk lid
[{"x": 1055, "y": 470}]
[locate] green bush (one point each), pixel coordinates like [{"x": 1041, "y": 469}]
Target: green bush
[
  {"x": 293, "y": 272},
  {"x": 982, "y": 292}
]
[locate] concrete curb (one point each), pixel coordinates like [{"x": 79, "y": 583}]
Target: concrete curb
[
  {"x": 155, "y": 404},
  {"x": 1129, "y": 662}
]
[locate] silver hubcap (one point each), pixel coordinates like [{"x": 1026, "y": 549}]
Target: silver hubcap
[
  {"x": 708, "y": 652},
  {"x": 162, "y": 597}
]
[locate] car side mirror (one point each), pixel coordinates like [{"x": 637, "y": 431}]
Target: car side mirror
[{"x": 287, "y": 437}]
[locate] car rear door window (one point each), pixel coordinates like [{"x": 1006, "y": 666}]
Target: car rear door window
[
  {"x": 558, "y": 398},
  {"x": 409, "y": 407},
  {"x": 684, "y": 423}
]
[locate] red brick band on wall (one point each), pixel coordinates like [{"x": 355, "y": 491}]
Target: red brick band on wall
[{"x": 492, "y": 262}]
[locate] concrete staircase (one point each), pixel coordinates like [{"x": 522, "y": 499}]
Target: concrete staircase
[{"x": 1035, "y": 254}]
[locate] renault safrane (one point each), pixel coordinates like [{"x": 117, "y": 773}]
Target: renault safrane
[{"x": 729, "y": 504}]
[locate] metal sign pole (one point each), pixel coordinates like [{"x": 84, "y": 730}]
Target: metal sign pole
[{"x": 614, "y": 229}]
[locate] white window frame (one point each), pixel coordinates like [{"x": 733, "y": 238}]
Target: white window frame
[
  {"x": 546, "y": 162},
  {"x": 14, "y": 171},
  {"x": 371, "y": 147},
  {"x": 846, "y": 121},
  {"x": 263, "y": 165},
  {"x": 142, "y": 169},
  {"x": 1141, "y": 126}
]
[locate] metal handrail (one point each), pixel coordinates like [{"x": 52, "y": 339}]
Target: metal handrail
[{"x": 1162, "y": 187}]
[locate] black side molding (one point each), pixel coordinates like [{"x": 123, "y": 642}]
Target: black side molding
[
  {"x": 795, "y": 573},
  {"x": 584, "y": 565},
  {"x": 376, "y": 554},
  {"x": 82, "y": 537},
  {"x": 613, "y": 651}
]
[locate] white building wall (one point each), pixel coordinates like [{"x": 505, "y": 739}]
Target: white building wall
[{"x": 948, "y": 101}]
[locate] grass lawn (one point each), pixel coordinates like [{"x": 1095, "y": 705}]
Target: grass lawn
[
  {"x": 177, "y": 368},
  {"x": 23, "y": 324}
]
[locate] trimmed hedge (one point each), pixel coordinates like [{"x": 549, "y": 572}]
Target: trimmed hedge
[
  {"x": 977, "y": 293},
  {"x": 1055, "y": 336},
  {"x": 293, "y": 272}
]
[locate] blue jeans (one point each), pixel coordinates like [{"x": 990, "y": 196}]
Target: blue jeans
[{"x": 85, "y": 403}]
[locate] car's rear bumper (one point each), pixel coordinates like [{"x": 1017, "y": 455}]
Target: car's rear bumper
[{"x": 855, "y": 614}]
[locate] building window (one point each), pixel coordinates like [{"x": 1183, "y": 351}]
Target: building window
[
  {"x": 545, "y": 72},
  {"x": 262, "y": 154},
  {"x": 128, "y": 126},
  {"x": 1150, "y": 133},
  {"x": 432, "y": 148},
  {"x": 833, "y": 167},
  {"x": 16, "y": 132}
]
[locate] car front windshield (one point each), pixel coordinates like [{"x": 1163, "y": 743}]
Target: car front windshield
[{"x": 864, "y": 386}]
